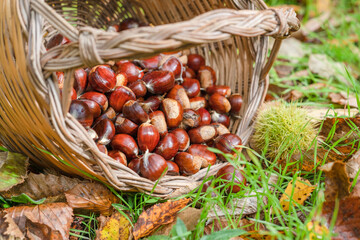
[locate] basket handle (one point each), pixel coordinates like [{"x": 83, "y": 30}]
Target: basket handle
[{"x": 92, "y": 46}]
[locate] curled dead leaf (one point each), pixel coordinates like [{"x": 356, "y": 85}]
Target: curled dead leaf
[{"x": 117, "y": 226}]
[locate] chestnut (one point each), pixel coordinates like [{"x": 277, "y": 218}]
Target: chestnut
[
  {"x": 188, "y": 73},
  {"x": 56, "y": 40},
  {"x": 100, "y": 98},
  {"x": 173, "y": 112},
  {"x": 126, "y": 144},
  {"x": 152, "y": 166},
  {"x": 94, "y": 107},
  {"x": 159, "y": 82},
  {"x": 118, "y": 156},
  {"x": 168, "y": 146},
  {"x": 119, "y": 97},
  {"x": 188, "y": 165},
  {"x": 173, "y": 169},
  {"x": 201, "y": 151},
  {"x": 197, "y": 102},
  {"x": 219, "y": 103},
  {"x": 227, "y": 143},
  {"x": 220, "y": 118},
  {"x": 205, "y": 117},
  {"x": 206, "y": 76},
  {"x": 80, "y": 81},
  {"x": 110, "y": 114},
  {"x": 220, "y": 128},
  {"x": 229, "y": 174},
  {"x": 178, "y": 93},
  {"x": 191, "y": 118},
  {"x": 149, "y": 63},
  {"x": 121, "y": 79},
  {"x": 157, "y": 119},
  {"x": 151, "y": 104},
  {"x": 133, "y": 72},
  {"x": 138, "y": 87},
  {"x": 105, "y": 129},
  {"x": 202, "y": 134},
  {"x": 148, "y": 137},
  {"x": 220, "y": 89},
  {"x": 172, "y": 64},
  {"x": 81, "y": 112},
  {"x": 133, "y": 111},
  {"x": 182, "y": 137},
  {"x": 126, "y": 126},
  {"x": 191, "y": 86},
  {"x": 134, "y": 165},
  {"x": 195, "y": 61},
  {"x": 102, "y": 148},
  {"x": 235, "y": 102},
  {"x": 102, "y": 78}
]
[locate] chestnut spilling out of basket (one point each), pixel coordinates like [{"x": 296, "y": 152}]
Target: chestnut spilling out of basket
[{"x": 155, "y": 114}]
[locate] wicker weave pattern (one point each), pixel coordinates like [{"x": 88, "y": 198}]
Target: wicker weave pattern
[{"x": 234, "y": 40}]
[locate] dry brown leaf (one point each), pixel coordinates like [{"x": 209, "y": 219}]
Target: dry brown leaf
[
  {"x": 13, "y": 169},
  {"x": 298, "y": 192},
  {"x": 8, "y": 228},
  {"x": 38, "y": 186},
  {"x": 222, "y": 223},
  {"x": 117, "y": 226},
  {"x": 353, "y": 165},
  {"x": 343, "y": 127},
  {"x": 296, "y": 95},
  {"x": 51, "y": 219},
  {"x": 158, "y": 215},
  {"x": 91, "y": 196},
  {"x": 319, "y": 114},
  {"x": 190, "y": 217}
]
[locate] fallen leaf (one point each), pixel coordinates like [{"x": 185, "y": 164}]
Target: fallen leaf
[
  {"x": 283, "y": 70},
  {"x": 296, "y": 94},
  {"x": 51, "y": 219},
  {"x": 218, "y": 224},
  {"x": 255, "y": 235},
  {"x": 117, "y": 226},
  {"x": 91, "y": 196},
  {"x": 353, "y": 165},
  {"x": 345, "y": 129},
  {"x": 344, "y": 99},
  {"x": 158, "y": 215},
  {"x": 298, "y": 193},
  {"x": 38, "y": 186},
  {"x": 8, "y": 228},
  {"x": 317, "y": 230},
  {"x": 311, "y": 26},
  {"x": 319, "y": 114},
  {"x": 292, "y": 50},
  {"x": 13, "y": 167},
  {"x": 190, "y": 216}
]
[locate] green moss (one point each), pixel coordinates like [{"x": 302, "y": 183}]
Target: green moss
[{"x": 282, "y": 130}]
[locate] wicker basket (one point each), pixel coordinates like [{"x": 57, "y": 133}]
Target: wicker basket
[{"x": 231, "y": 34}]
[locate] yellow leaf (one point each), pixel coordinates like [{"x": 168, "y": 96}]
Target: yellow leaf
[
  {"x": 299, "y": 192},
  {"x": 115, "y": 227},
  {"x": 317, "y": 230}
]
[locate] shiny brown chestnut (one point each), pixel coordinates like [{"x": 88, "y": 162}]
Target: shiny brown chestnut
[
  {"x": 188, "y": 73},
  {"x": 133, "y": 72},
  {"x": 152, "y": 166},
  {"x": 138, "y": 87},
  {"x": 119, "y": 97},
  {"x": 205, "y": 117},
  {"x": 126, "y": 144},
  {"x": 188, "y": 165},
  {"x": 94, "y": 107},
  {"x": 80, "y": 81},
  {"x": 220, "y": 89},
  {"x": 229, "y": 174},
  {"x": 206, "y": 76},
  {"x": 118, "y": 156},
  {"x": 81, "y": 112},
  {"x": 126, "y": 126},
  {"x": 219, "y": 103},
  {"x": 173, "y": 169},
  {"x": 134, "y": 164},
  {"x": 236, "y": 103},
  {"x": 191, "y": 86},
  {"x": 168, "y": 146},
  {"x": 191, "y": 118},
  {"x": 227, "y": 143},
  {"x": 172, "y": 64},
  {"x": 109, "y": 113},
  {"x": 105, "y": 129},
  {"x": 195, "y": 61},
  {"x": 133, "y": 111},
  {"x": 201, "y": 151},
  {"x": 151, "y": 104},
  {"x": 102, "y": 148},
  {"x": 173, "y": 112},
  {"x": 220, "y": 118},
  {"x": 149, "y": 63},
  {"x": 100, "y": 98},
  {"x": 121, "y": 79},
  {"x": 56, "y": 40},
  {"x": 158, "y": 120},
  {"x": 183, "y": 138},
  {"x": 159, "y": 82},
  {"x": 220, "y": 128},
  {"x": 102, "y": 78},
  {"x": 202, "y": 134},
  {"x": 197, "y": 102},
  {"x": 148, "y": 137},
  {"x": 178, "y": 93}
]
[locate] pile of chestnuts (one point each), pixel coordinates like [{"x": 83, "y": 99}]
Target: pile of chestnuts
[{"x": 157, "y": 115}]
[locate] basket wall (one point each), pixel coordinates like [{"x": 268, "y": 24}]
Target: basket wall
[{"x": 32, "y": 116}]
